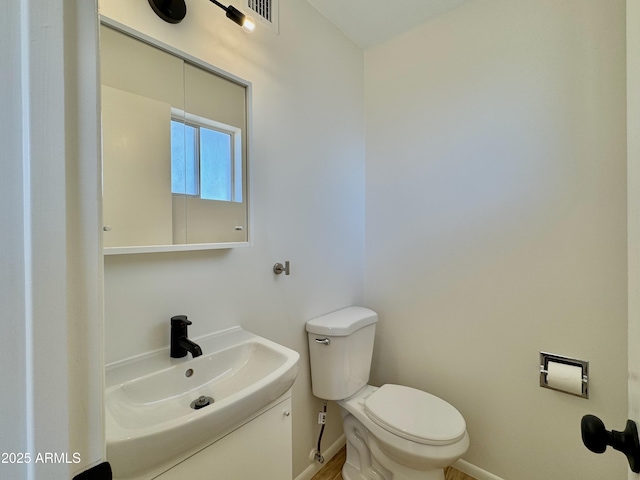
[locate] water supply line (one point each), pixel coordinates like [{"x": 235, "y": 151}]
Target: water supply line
[{"x": 322, "y": 420}]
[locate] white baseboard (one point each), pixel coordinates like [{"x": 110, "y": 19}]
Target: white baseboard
[
  {"x": 473, "y": 471},
  {"x": 462, "y": 465},
  {"x": 328, "y": 454}
]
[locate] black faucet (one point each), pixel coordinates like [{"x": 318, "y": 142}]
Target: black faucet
[{"x": 180, "y": 343}]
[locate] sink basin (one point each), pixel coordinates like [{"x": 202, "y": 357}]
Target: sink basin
[{"x": 149, "y": 417}]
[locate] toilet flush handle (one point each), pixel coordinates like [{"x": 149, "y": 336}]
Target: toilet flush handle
[{"x": 323, "y": 341}]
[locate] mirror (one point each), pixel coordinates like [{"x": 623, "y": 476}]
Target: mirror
[{"x": 174, "y": 141}]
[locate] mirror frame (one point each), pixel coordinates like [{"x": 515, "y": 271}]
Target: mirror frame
[{"x": 224, "y": 74}]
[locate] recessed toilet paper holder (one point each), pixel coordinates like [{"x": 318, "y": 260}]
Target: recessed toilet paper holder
[{"x": 545, "y": 358}]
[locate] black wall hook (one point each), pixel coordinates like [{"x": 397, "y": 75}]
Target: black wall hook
[{"x": 596, "y": 438}]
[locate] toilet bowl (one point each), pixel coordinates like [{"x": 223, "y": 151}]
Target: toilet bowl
[
  {"x": 410, "y": 433},
  {"x": 393, "y": 432}
]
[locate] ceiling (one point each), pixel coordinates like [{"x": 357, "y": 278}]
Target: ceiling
[{"x": 372, "y": 22}]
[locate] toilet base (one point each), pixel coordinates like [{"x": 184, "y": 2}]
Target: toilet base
[
  {"x": 365, "y": 460},
  {"x": 349, "y": 472}
]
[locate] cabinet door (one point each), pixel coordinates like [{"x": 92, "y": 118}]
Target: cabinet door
[{"x": 261, "y": 449}]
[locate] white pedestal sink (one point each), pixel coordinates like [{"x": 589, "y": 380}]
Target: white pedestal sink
[{"x": 149, "y": 418}]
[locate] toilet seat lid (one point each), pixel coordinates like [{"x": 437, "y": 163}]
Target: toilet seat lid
[{"x": 415, "y": 415}]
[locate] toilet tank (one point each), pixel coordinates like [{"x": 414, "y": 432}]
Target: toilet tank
[{"x": 340, "y": 351}]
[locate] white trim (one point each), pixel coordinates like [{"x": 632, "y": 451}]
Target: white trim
[
  {"x": 44, "y": 156},
  {"x": 473, "y": 471},
  {"x": 13, "y": 287},
  {"x": 633, "y": 212},
  {"x": 27, "y": 290},
  {"x": 54, "y": 169},
  {"x": 461, "y": 465},
  {"x": 84, "y": 240},
  {"x": 183, "y": 247},
  {"x": 329, "y": 453}
]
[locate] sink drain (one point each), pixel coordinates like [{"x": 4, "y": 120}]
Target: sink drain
[{"x": 201, "y": 402}]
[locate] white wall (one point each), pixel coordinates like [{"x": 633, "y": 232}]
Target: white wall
[
  {"x": 496, "y": 223},
  {"x": 307, "y": 198},
  {"x": 51, "y": 281}
]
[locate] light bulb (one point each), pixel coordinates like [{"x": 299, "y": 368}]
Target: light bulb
[{"x": 248, "y": 24}]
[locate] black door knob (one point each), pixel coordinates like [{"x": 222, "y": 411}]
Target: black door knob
[
  {"x": 594, "y": 435},
  {"x": 596, "y": 438}
]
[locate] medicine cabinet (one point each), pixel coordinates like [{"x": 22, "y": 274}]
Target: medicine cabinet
[{"x": 175, "y": 150}]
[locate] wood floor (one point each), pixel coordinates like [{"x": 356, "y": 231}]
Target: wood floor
[{"x": 332, "y": 470}]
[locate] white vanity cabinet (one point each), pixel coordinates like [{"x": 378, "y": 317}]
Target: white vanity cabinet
[
  {"x": 153, "y": 429},
  {"x": 259, "y": 449}
]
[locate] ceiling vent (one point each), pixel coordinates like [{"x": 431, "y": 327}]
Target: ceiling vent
[{"x": 265, "y": 12}]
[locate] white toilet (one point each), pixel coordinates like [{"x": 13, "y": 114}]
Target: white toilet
[{"x": 392, "y": 432}]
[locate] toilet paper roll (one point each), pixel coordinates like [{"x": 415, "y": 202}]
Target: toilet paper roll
[{"x": 567, "y": 378}]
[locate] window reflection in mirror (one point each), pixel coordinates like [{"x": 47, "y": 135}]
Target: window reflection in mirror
[
  {"x": 206, "y": 158},
  {"x": 174, "y": 150}
]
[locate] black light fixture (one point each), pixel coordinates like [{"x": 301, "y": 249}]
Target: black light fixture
[
  {"x": 247, "y": 23},
  {"x": 173, "y": 11}
]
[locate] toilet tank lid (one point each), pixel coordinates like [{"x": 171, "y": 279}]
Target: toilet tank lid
[{"x": 342, "y": 322}]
